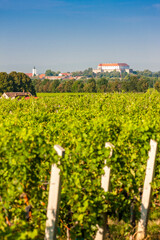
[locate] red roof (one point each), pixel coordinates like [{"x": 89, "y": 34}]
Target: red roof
[
  {"x": 53, "y": 77},
  {"x": 65, "y": 74},
  {"x": 29, "y": 98},
  {"x": 29, "y": 74},
  {"x": 42, "y": 75},
  {"x": 113, "y": 64}
]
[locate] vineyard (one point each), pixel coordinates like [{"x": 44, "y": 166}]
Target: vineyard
[{"x": 81, "y": 124}]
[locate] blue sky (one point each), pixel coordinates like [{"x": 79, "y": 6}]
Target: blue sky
[{"x": 72, "y": 35}]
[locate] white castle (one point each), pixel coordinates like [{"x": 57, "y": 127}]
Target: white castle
[{"x": 109, "y": 67}]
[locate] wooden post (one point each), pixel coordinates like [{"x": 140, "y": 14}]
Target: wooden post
[
  {"x": 68, "y": 234},
  {"x": 146, "y": 196},
  {"x": 54, "y": 198},
  {"x": 105, "y": 181}
]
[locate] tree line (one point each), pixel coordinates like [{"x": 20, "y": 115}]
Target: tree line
[
  {"x": 88, "y": 73},
  {"x": 16, "y": 82},
  {"x": 138, "y": 82},
  {"x": 131, "y": 83}
]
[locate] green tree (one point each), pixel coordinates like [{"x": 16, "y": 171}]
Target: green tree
[
  {"x": 6, "y": 83},
  {"x": 78, "y": 86},
  {"x": 47, "y": 87},
  {"x": 68, "y": 85},
  {"x": 49, "y": 72},
  {"x": 147, "y": 73},
  {"x": 114, "y": 74},
  {"x": 130, "y": 83},
  {"x": 61, "y": 87},
  {"x": 78, "y": 73},
  {"x": 103, "y": 74},
  {"x": 89, "y": 73},
  {"x": 157, "y": 86},
  {"x": 101, "y": 85},
  {"x": 125, "y": 85},
  {"x": 37, "y": 84},
  {"x": 22, "y": 83},
  {"x": 90, "y": 86},
  {"x": 114, "y": 86},
  {"x": 55, "y": 84},
  {"x": 142, "y": 85}
]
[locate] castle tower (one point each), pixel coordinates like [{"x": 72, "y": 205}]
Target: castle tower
[{"x": 34, "y": 72}]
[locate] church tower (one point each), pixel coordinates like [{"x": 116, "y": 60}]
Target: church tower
[{"x": 34, "y": 72}]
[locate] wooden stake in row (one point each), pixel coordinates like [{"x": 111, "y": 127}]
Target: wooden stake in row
[
  {"x": 105, "y": 181},
  {"x": 54, "y": 198},
  {"x": 146, "y": 196},
  {"x": 55, "y": 189}
]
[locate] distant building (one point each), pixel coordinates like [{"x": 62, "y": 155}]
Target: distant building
[
  {"x": 78, "y": 77},
  {"x": 65, "y": 74},
  {"x": 70, "y": 78},
  {"x": 109, "y": 67},
  {"x": 14, "y": 95},
  {"x": 42, "y": 76},
  {"x": 54, "y": 77},
  {"x": 34, "y": 72},
  {"x": 29, "y": 74}
]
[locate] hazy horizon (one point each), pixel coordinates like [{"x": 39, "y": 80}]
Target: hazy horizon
[
  {"x": 41, "y": 69},
  {"x": 72, "y": 35}
]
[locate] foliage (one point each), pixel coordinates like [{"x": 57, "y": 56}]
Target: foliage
[
  {"x": 157, "y": 86},
  {"x": 130, "y": 83},
  {"x": 77, "y": 86},
  {"x": 102, "y": 85},
  {"x": 90, "y": 86},
  {"x": 6, "y": 83},
  {"x": 49, "y": 72},
  {"x": 80, "y": 123},
  {"x": 112, "y": 74},
  {"x": 87, "y": 73},
  {"x": 16, "y": 82}
]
